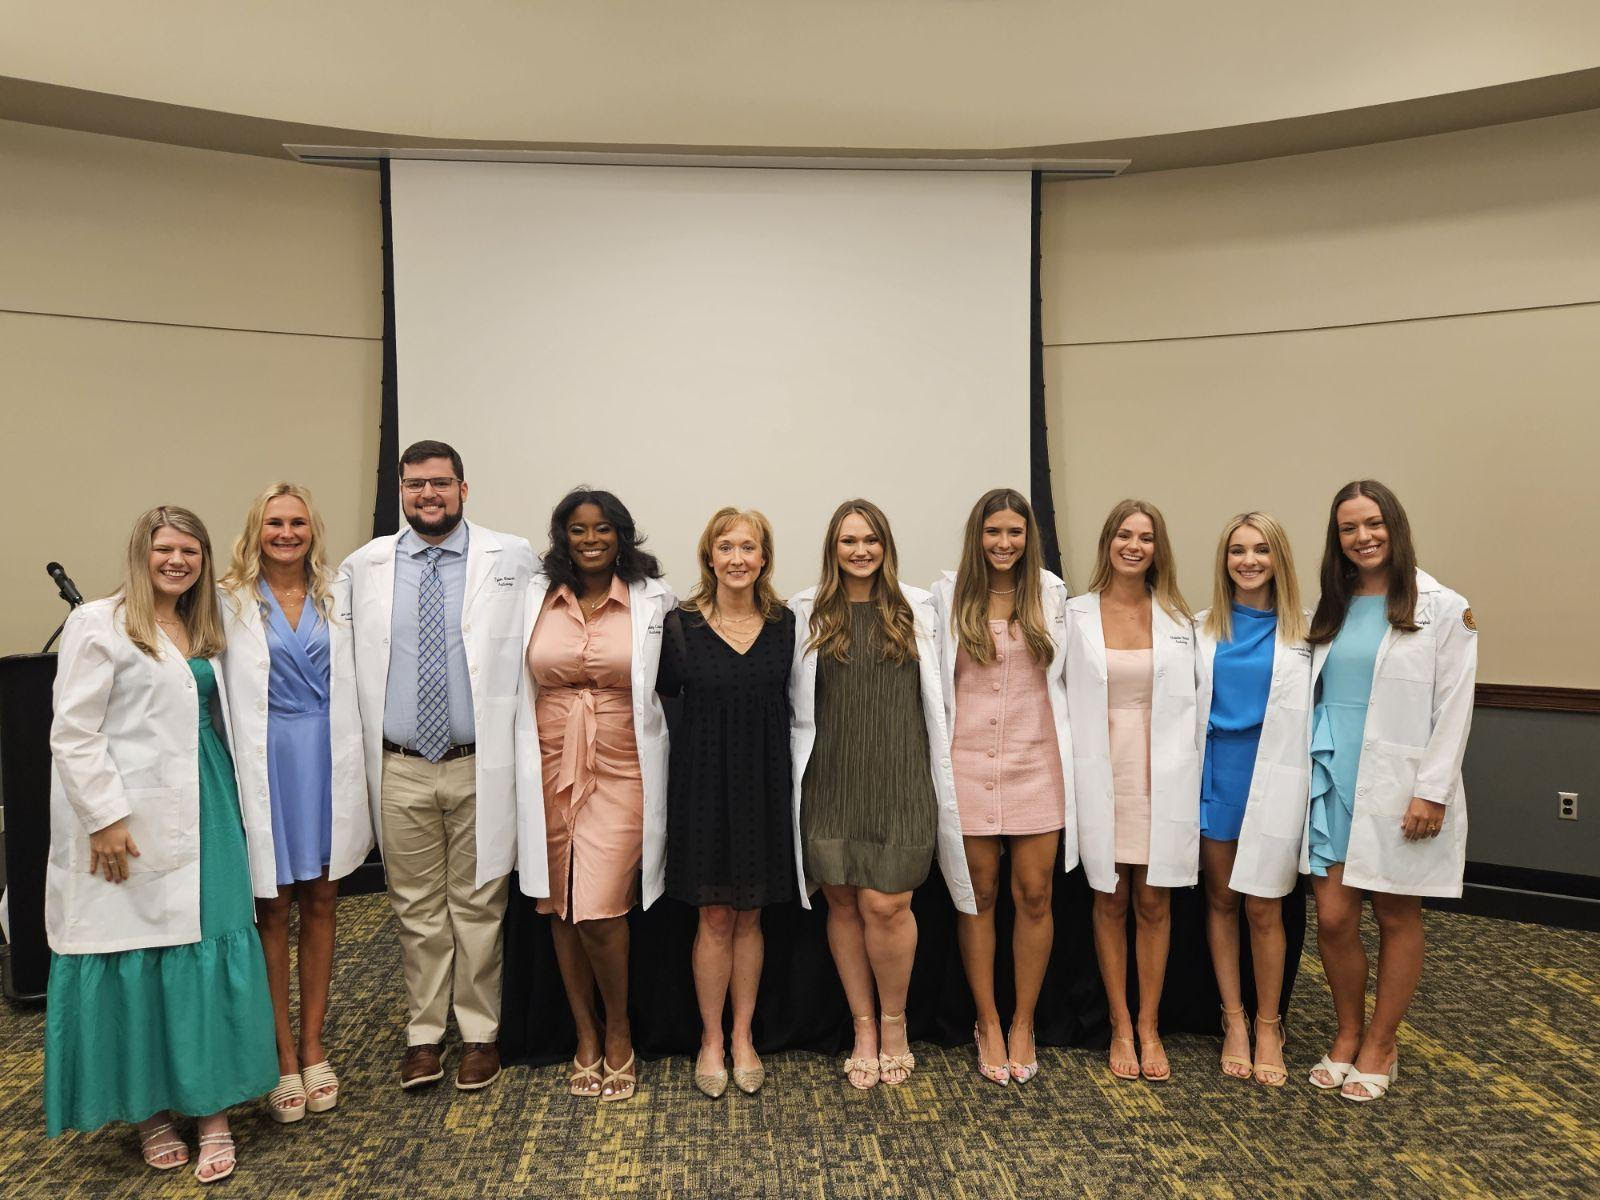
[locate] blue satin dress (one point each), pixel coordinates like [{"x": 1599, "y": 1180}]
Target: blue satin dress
[
  {"x": 1343, "y": 690},
  {"x": 299, "y": 754},
  {"x": 1241, "y": 678}
]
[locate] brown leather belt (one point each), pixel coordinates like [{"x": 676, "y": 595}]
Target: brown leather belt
[{"x": 453, "y": 752}]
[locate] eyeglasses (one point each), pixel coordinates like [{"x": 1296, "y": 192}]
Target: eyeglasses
[{"x": 443, "y": 484}]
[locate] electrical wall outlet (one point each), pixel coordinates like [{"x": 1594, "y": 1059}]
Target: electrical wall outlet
[{"x": 1567, "y": 805}]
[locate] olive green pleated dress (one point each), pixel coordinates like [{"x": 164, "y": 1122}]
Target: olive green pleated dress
[
  {"x": 868, "y": 813},
  {"x": 187, "y": 1028}
]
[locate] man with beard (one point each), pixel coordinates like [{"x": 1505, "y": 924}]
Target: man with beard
[{"x": 437, "y": 613}]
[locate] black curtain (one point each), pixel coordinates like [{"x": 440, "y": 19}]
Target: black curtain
[
  {"x": 802, "y": 1006},
  {"x": 386, "y": 511},
  {"x": 1039, "y": 491}
]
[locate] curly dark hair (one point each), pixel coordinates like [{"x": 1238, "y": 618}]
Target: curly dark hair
[{"x": 633, "y": 563}]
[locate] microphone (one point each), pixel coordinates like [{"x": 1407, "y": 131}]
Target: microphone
[{"x": 69, "y": 590}]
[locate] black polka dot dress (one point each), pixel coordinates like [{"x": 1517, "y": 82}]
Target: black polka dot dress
[{"x": 729, "y": 814}]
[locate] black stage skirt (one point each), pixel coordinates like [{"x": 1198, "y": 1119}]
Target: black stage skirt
[{"x": 802, "y": 1006}]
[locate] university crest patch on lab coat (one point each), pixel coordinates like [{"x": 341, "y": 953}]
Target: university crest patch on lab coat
[{"x": 1466, "y": 619}]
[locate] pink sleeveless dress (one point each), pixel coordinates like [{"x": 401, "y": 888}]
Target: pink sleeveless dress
[{"x": 1128, "y": 685}]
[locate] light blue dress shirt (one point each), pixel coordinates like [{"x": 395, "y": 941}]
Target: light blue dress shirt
[{"x": 400, "y": 697}]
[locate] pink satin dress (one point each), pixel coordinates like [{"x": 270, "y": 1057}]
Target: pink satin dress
[
  {"x": 593, "y": 793},
  {"x": 1128, "y": 686}
]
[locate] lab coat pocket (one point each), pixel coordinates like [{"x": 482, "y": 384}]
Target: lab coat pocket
[
  {"x": 157, "y": 831},
  {"x": 1394, "y": 776},
  {"x": 1411, "y": 657},
  {"x": 1286, "y": 801}
]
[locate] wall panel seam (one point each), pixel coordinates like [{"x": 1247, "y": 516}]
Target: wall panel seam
[
  {"x": 309, "y": 333},
  {"x": 1239, "y": 333}
]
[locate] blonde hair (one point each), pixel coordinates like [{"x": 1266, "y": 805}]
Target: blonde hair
[
  {"x": 197, "y": 607},
  {"x": 972, "y": 583},
  {"x": 1284, "y": 584},
  {"x": 1161, "y": 577},
  {"x": 703, "y": 598},
  {"x": 244, "y": 572},
  {"x": 830, "y": 615}
]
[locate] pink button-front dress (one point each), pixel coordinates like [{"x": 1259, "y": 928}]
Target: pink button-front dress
[
  {"x": 1004, "y": 752},
  {"x": 593, "y": 793}
]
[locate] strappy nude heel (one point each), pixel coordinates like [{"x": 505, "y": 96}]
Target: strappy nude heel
[
  {"x": 152, "y": 1145},
  {"x": 906, "y": 1062},
  {"x": 862, "y": 1066},
  {"x": 1233, "y": 1060},
  {"x": 290, "y": 1088},
  {"x": 585, "y": 1081},
  {"x": 1111, "y": 1063},
  {"x": 1151, "y": 1076},
  {"x": 214, "y": 1148},
  {"x": 1258, "y": 1067},
  {"x": 320, "y": 1077},
  {"x": 623, "y": 1078}
]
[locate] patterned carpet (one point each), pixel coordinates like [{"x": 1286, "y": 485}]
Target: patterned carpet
[{"x": 1495, "y": 1099}]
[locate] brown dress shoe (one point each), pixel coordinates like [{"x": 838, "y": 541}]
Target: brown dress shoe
[
  {"x": 420, "y": 1065},
  {"x": 480, "y": 1065}
]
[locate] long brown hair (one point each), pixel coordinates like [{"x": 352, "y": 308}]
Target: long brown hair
[
  {"x": 1285, "y": 584},
  {"x": 244, "y": 572},
  {"x": 197, "y": 607},
  {"x": 1161, "y": 576},
  {"x": 703, "y": 599},
  {"x": 972, "y": 583},
  {"x": 1339, "y": 573},
  {"x": 830, "y": 613}
]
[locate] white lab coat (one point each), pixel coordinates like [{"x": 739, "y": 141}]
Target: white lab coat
[
  {"x": 246, "y": 664},
  {"x": 125, "y": 743},
  {"x": 1174, "y": 762},
  {"x": 803, "y": 737},
  {"x": 649, "y": 601},
  {"x": 1418, "y": 717},
  {"x": 1267, "y": 857},
  {"x": 499, "y": 566},
  {"x": 1055, "y": 620}
]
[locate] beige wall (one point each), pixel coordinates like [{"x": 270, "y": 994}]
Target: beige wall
[
  {"x": 823, "y": 73},
  {"x": 177, "y": 326},
  {"x": 1255, "y": 335}
]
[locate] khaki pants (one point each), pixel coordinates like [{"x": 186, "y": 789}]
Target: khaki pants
[{"x": 449, "y": 928}]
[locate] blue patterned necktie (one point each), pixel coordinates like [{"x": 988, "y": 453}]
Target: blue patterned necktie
[{"x": 433, "y": 681}]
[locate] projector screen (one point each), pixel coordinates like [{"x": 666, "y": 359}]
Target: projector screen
[{"x": 693, "y": 337}]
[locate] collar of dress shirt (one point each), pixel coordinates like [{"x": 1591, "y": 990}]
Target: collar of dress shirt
[{"x": 455, "y": 543}]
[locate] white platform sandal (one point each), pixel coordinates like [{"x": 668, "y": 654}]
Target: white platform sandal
[
  {"x": 1377, "y": 1086},
  {"x": 319, "y": 1077},
  {"x": 287, "y": 1101}
]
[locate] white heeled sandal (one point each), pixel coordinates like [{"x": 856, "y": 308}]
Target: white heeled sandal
[
  {"x": 1336, "y": 1071},
  {"x": 1377, "y": 1085}
]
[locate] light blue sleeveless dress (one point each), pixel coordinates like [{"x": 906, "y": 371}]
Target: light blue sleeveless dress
[
  {"x": 1241, "y": 678},
  {"x": 187, "y": 1028},
  {"x": 299, "y": 755},
  {"x": 1343, "y": 690}
]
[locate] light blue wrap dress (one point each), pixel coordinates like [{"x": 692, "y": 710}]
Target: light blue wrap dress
[{"x": 299, "y": 753}]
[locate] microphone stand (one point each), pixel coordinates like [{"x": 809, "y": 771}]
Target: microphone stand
[{"x": 62, "y": 592}]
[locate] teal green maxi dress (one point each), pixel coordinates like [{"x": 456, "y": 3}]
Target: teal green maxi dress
[{"x": 187, "y": 1028}]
